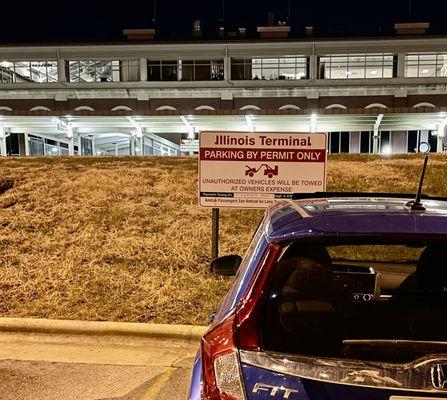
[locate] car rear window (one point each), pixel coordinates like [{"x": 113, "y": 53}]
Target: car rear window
[{"x": 367, "y": 301}]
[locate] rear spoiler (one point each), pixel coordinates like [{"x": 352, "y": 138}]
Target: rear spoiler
[{"x": 329, "y": 195}]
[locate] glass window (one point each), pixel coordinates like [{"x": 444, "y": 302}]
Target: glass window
[
  {"x": 169, "y": 70},
  {"x": 104, "y": 71},
  {"x": 334, "y": 142},
  {"x": 425, "y": 65},
  {"x": 245, "y": 69},
  {"x": 28, "y": 71},
  {"x": 339, "y": 142},
  {"x": 90, "y": 71},
  {"x": 366, "y": 142},
  {"x": 126, "y": 71},
  {"x": 366, "y": 299},
  {"x": 359, "y": 66},
  {"x": 412, "y": 143},
  {"x": 283, "y": 68},
  {"x": 433, "y": 141},
  {"x": 185, "y": 70},
  {"x": 345, "y": 140},
  {"x": 385, "y": 142}
]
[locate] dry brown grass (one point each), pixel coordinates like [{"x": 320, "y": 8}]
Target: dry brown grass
[{"x": 124, "y": 239}]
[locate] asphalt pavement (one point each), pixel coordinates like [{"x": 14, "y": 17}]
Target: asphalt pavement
[{"x": 47, "y": 366}]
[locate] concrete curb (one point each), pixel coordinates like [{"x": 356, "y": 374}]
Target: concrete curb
[{"x": 94, "y": 328}]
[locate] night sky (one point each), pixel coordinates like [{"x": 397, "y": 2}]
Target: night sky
[{"x": 50, "y": 21}]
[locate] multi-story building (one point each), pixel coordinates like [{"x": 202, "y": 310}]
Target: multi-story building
[{"x": 373, "y": 95}]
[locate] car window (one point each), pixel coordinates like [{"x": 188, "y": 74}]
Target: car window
[
  {"x": 364, "y": 301},
  {"x": 251, "y": 259}
]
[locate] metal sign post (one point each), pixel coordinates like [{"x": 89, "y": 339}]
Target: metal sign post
[{"x": 215, "y": 234}]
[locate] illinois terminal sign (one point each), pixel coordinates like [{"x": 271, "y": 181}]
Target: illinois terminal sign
[{"x": 253, "y": 170}]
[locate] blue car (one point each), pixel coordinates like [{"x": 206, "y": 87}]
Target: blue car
[{"x": 339, "y": 297}]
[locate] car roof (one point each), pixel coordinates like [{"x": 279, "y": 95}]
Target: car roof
[{"x": 354, "y": 215}]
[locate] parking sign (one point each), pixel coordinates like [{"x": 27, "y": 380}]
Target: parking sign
[{"x": 253, "y": 170}]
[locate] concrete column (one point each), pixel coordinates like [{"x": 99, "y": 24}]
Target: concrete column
[
  {"x": 93, "y": 147},
  {"x": 61, "y": 71},
  {"x": 313, "y": 67},
  {"x": 3, "y": 151},
  {"x": 143, "y": 69},
  {"x": 27, "y": 152},
  {"x": 80, "y": 144},
  {"x": 116, "y": 150},
  {"x": 142, "y": 146},
  {"x": 70, "y": 146},
  {"x": 132, "y": 146},
  {"x": 440, "y": 144},
  {"x": 376, "y": 141},
  {"x": 227, "y": 67},
  {"x": 401, "y": 65}
]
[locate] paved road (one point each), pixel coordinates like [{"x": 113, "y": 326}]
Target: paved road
[{"x": 87, "y": 368}]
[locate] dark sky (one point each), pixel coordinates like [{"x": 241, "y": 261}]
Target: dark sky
[{"x": 47, "y": 21}]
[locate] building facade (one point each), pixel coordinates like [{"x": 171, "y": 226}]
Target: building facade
[{"x": 383, "y": 95}]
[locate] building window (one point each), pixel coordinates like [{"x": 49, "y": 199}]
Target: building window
[
  {"x": 385, "y": 143},
  {"x": 425, "y": 65},
  {"x": 366, "y": 142},
  {"x": 28, "y": 71},
  {"x": 412, "y": 141},
  {"x": 339, "y": 142},
  {"x": 283, "y": 68},
  {"x": 360, "y": 66},
  {"x": 185, "y": 70},
  {"x": 83, "y": 71}
]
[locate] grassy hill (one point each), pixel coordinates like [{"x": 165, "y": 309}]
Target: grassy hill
[{"x": 124, "y": 240}]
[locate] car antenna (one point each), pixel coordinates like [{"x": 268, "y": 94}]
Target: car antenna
[{"x": 416, "y": 204}]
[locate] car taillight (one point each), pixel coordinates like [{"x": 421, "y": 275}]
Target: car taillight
[
  {"x": 222, "y": 378},
  {"x": 222, "y": 375}
]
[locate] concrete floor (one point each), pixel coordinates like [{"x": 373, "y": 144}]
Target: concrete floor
[{"x": 62, "y": 367}]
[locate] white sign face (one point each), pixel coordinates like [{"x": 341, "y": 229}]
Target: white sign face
[{"x": 252, "y": 170}]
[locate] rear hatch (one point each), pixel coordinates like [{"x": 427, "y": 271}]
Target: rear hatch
[{"x": 352, "y": 320}]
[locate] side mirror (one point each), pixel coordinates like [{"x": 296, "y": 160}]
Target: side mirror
[{"x": 226, "y": 266}]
